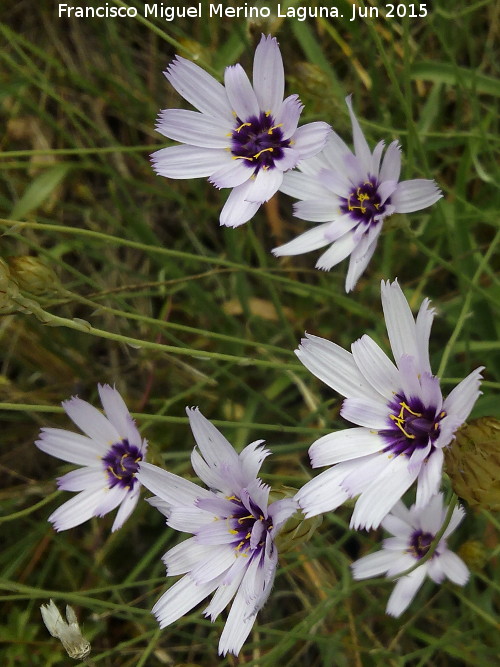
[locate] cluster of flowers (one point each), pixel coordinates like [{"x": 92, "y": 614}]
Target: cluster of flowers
[{"x": 246, "y": 137}]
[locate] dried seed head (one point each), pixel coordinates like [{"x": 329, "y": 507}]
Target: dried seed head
[
  {"x": 68, "y": 632},
  {"x": 473, "y": 463}
]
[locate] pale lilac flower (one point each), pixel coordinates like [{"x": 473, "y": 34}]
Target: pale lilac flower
[
  {"x": 110, "y": 452},
  {"x": 232, "y": 551},
  {"x": 414, "y": 530},
  {"x": 245, "y": 136},
  {"x": 403, "y": 423},
  {"x": 351, "y": 194}
]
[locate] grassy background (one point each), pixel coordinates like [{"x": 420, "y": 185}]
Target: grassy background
[{"x": 208, "y": 317}]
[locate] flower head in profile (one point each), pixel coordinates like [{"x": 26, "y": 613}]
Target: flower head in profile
[
  {"x": 413, "y": 532},
  {"x": 110, "y": 452},
  {"x": 403, "y": 423},
  {"x": 233, "y": 550},
  {"x": 243, "y": 137},
  {"x": 351, "y": 194}
]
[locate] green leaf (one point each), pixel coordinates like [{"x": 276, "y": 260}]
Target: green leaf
[{"x": 39, "y": 190}]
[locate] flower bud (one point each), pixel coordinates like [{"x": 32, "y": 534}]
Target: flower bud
[
  {"x": 32, "y": 275},
  {"x": 297, "y": 530},
  {"x": 8, "y": 290},
  {"x": 473, "y": 463},
  {"x": 473, "y": 553}
]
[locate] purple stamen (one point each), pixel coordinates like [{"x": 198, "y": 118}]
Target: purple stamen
[
  {"x": 121, "y": 463},
  {"x": 258, "y": 141},
  {"x": 412, "y": 425},
  {"x": 364, "y": 202},
  {"x": 420, "y": 544}
]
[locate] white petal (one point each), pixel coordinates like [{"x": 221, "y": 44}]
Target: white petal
[
  {"x": 372, "y": 565},
  {"x": 371, "y": 413},
  {"x": 340, "y": 226},
  {"x": 189, "y": 519},
  {"x": 181, "y": 598},
  {"x": 209, "y": 568},
  {"x": 375, "y": 165},
  {"x": 71, "y": 447},
  {"x": 311, "y": 240},
  {"x": 405, "y": 590},
  {"x": 214, "y": 447},
  {"x": 212, "y": 477},
  {"x": 264, "y": 186},
  {"x": 391, "y": 164},
  {"x": 423, "y": 326},
  {"x": 317, "y": 210},
  {"x": 429, "y": 478},
  {"x": 409, "y": 376},
  {"x": 237, "y": 210},
  {"x": 397, "y": 526},
  {"x": 77, "y": 510},
  {"x": 175, "y": 490},
  {"x": 126, "y": 508},
  {"x": 454, "y": 567},
  {"x": 185, "y": 556},
  {"x": 280, "y": 511},
  {"x": 288, "y": 115},
  {"x": 216, "y": 532},
  {"x": 376, "y": 366},
  {"x": 361, "y": 147},
  {"x": 337, "y": 252},
  {"x": 118, "y": 414},
  {"x": 195, "y": 129},
  {"x": 227, "y": 590},
  {"x": 399, "y": 321},
  {"x": 83, "y": 478},
  {"x": 268, "y": 74},
  {"x": 311, "y": 138},
  {"x": 415, "y": 195},
  {"x": 323, "y": 493},
  {"x": 456, "y": 518},
  {"x": 302, "y": 186},
  {"x": 92, "y": 422},
  {"x": 188, "y": 161},
  {"x": 238, "y": 625},
  {"x": 110, "y": 499},
  {"x": 363, "y": 471},
  {"x": 352, "y": 443},
  {"x": 240, "y": 93},
  {"x": 461, "y": 400},
  {"x": 381, "y": 495},
  {"x": 334, "y": 366},
  {"x": 251, "y": 458},
  {"x": 231, "y": 174},
  {"x": 199, "y": 88}
]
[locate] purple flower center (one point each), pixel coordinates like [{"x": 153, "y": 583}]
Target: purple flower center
[
  {"x": 249, "y": 528},
  {"x": 258, "y": 141},
  {"x": 364, "y": 202},
  {"x": 420, "y": 543},
  {"x": 412, "y": 425},
  {"x": 121, "y": 463}
]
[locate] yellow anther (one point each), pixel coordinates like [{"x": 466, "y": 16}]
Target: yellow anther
[
  {"x": 267, "y": 114},
  {"x": 233, "y": 498},
  {"x": 242, "y": 157},
  {"x": 241, "y": 519},
  {"x": 233, "y": 531},
  {"x": 110, "y": 469},
  {"x": 407, "y": 407},
  {"x": 264, "y": 150},
  {"x": 247, "y": 536},
  {"x": 274, "y": 127},
  {"x": 242, "y": 126}
]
